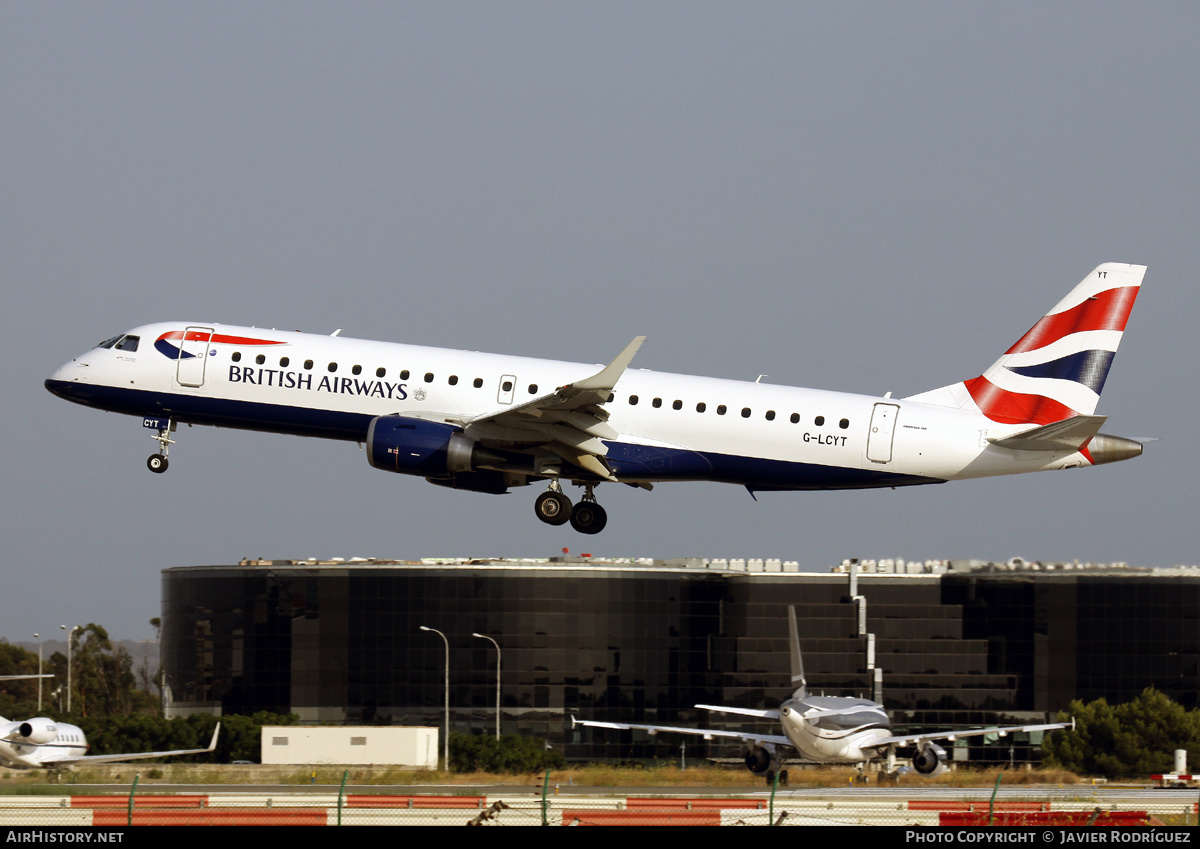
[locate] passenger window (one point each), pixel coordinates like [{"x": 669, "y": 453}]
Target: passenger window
[
  {"x": 260, "y": 359},
  {"x": 721, "y": 410},
  {"x": 356, "y": 370},
  {"x": 429, "y": 377},
  {"x": 283, "y": 362},
  {"x": 633, "y": 399},
  {"x": 676, "y": 405},
  {"x": 308, "y": 364},
  {"x": 844, "y": 423},
  {"x": 506, "y": 386},
  {"x": 745, "y": 412},
  {"x": 333, "y": 366},
  {"x": 237, "y": 356},
  {"x": 380, "y": 372},
  {"x": 452, "y": 380},
  {"x": 404, "y": 375},
  {"x": 819, "y": 420},
  {"x": 701, "y": 407},
  {"x": 129, "y": 343},
  {"x": 795, "y": 418},
  {"x": 533, "y": 389},
  {"x": 770, "y": 415},
  {"x": 477, "y": 383},
  {"x": 657, "y": 402}
]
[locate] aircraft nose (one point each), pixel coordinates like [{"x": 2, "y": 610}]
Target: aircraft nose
[{"x": 67, "y": 379}]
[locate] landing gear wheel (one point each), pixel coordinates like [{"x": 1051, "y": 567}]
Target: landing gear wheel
[
  {"x": 588, "y": 517},
  {"x": 553, "y": 508},
  {"x": 157, "y": 463},
  {"x": 783, "y": 778}
]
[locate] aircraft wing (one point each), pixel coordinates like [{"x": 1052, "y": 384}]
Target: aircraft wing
[
  {"x": 134, "y": 756},
  {"x": 706, "y": 733},
  {"x": 909, "y": 739},
  {"x": 570, "y": 421},
  {"x": 762, "y": 714}
]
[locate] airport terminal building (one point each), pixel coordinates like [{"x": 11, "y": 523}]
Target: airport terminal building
[{"x": 642, "y": 641}]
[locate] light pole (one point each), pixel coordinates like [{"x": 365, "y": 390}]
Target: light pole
[
  {"x": 446, "y": 735},
  {"x": 497, "y": 645},
  {"x": 39, "y": 639},
  {"x": 70, "y": 633}
]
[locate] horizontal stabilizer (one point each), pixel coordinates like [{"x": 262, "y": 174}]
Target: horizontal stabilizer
[{"x": 1067, "y": 435}]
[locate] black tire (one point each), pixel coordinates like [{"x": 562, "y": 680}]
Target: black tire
[
  {"x": 157, "y": 463},
  {"x": 553, "y": 508},
  {"x": 588, "y": 517}
]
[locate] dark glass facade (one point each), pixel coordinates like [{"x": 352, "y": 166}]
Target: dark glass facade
[{"x": 642, "y": 644}]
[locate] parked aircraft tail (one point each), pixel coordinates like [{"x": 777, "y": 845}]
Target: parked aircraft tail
[
  {"x": 1057, "y": 370},
  {"x": 798, "y": 682}
]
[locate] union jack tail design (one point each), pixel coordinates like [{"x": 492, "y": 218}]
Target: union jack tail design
[{"x": 1057, "y": 369}]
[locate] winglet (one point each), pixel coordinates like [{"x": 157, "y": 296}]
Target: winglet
[
  {"x": 607, "y": 377},
  {"x": 797, "y": 661},
  {"x": 212, "y": 744}
]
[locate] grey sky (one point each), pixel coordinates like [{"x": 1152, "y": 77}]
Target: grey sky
[{"x": 855, "y": 196}]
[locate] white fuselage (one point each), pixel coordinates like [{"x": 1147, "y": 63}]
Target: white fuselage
[
  {"x": 48, "y": 743},
  {"x": 670, "y": 426},
  {"x": 828, "y": 729}
]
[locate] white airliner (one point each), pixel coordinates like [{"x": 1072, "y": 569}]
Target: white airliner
[
  {"x": 827, "y": 729},
  {"x": 488, "y": 422},
  {"x": 42, "y": 742}
]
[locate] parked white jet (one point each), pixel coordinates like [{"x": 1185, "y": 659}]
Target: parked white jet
[
  {"x": 826, "y": 729},
  {"x": 487, "y": 422},
  {"x": 42, "y": 742}
]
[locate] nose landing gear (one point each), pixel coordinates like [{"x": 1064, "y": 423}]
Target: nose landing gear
[{"x": 157, "y": 463}]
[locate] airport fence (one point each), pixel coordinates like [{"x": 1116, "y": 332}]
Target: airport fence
[{"x": 292, "y": 807}]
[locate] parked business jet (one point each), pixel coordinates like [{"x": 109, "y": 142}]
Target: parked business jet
[
  {"x": 488, "y": 422},
  {"x": 827, "y": 729},
  {"x": 42, "y": 742}
]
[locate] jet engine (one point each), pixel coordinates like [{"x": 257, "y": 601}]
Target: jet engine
[
  {"x": 435, "y": 450},
  {"x": 758, "y": 760},
  {"x": 38, "y": 730},
  {"x": 930, "y": 759}
]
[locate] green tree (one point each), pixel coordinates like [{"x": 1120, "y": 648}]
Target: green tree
[
  {"x": 1137, "y": 738},
  {"x": 102, "y": 679},
  {"x": 18, "y": 699},
  {"x": 511, "y": 754}
]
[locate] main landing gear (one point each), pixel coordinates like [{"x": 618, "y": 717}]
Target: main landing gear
[
  {"x": 554, "y": 508},
  {"x": 157, "y": 463}
]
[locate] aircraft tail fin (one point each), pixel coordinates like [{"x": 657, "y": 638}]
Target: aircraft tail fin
[
  {"x": 798, "y": 682},
  {"x": 1057, "y": 370}
]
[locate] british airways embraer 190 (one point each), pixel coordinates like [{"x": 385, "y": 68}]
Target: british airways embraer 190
[{"x": 488, "y": 422}]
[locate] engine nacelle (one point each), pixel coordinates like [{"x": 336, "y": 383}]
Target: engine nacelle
[
  {"x": 418, "y": 447},
  {"x": 758, "y": 761},
  {"x": 38, "y": 730},
  {"x": 930, "y": 759}
]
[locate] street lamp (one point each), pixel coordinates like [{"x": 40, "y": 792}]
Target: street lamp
[
  {"x": 497, "y": 645},
  {"x": 446, "y": 735},
  {"x": 74, "y": 628},
  {"x": 39, "y": 639}
]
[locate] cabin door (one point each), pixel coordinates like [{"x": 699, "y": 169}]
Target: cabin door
[
  {"x": 883, "y": 428},
  {"x": 193, "y": 356}
]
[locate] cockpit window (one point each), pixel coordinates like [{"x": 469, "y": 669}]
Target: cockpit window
[
  {"x": 128, "y": 343},
  {"x": 108, "y": 343}
]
